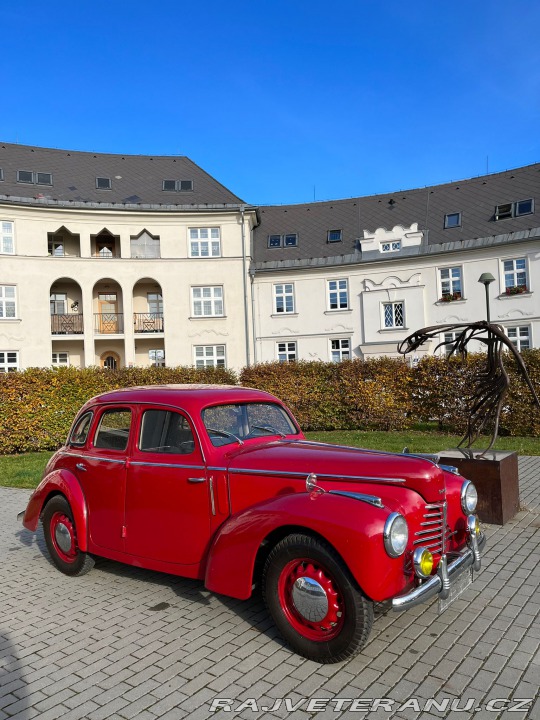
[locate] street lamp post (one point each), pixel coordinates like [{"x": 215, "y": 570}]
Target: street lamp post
[{"x": 486, "y": 279}]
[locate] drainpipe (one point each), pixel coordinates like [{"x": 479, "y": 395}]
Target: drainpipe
[{"x": 244, "y": 284}]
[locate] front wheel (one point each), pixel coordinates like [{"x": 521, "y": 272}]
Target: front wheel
[
  {"x": 314, "y": 600},
  {"x": 61, "y": 538}
]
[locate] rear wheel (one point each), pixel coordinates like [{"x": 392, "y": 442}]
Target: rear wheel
[
  {"x": 61, "y": 538},
  {"x": 314, "y": 600}
]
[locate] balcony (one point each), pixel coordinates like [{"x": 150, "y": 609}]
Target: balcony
[
  {"x": 148, "y": 322},
  {"x": 108, "y": 323},
  {"x": 67, "y": 324}
]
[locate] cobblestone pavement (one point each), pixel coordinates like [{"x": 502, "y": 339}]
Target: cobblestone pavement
[{"x": 126, "y": 643}]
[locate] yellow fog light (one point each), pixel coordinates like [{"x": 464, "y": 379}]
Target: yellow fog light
[
  {"x": 473, "y": 524},
  {"x": 423, "y": 562}
]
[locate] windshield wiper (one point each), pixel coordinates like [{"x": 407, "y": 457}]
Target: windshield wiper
[
  {"x": 224, "y": 433},
  {"x": 268, "y": 428}
]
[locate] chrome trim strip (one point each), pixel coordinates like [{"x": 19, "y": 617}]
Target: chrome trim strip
[
  {"x": 212, "y": 468},
  {"x": 277, "y": 473},
  {"x": 434, "y": 585},
  {"x": 102, "y": 459},
  {"x": 370, "y": 499},
  {"x": 212, "y": 501},
  {"x": 141, "y": 463}
]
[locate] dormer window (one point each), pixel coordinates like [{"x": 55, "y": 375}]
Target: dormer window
[
  {"x": 1, "y": 174},
  {"x": 43, "y": 178},
  {"x": 334, "y": 236},
  {"x": 393, "y": 246},
  {"x": 177, "y": 185},
  {"x": 452, "y": 220},
  {"x": 287, "y": 240},
  {"x": 103, "y": 183},
  {"x": 33, "y": 178},
  {"x": 25, "y": 176},
  {"x": 515, "y": 209}
]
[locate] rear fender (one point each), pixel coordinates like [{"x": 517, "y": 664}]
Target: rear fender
[
  {"x": 352, "y": 527},
  {"x": 59, "y": 482}
]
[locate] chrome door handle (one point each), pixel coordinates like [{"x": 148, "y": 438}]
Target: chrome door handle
[
  {"x": 196, "y": 480},
  {"x": 82, "y": 467}
]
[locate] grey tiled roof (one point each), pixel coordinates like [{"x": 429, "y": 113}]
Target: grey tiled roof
[
  {"x": 475, "y": 199},
  {"x": 135, "y": 179}
]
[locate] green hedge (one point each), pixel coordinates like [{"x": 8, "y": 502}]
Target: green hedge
[{"x": 37, "y": 406}]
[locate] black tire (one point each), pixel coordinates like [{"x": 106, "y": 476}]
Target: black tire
[
  {"x": 59, "y": 526},
  {"x": 344, "y": 630}
]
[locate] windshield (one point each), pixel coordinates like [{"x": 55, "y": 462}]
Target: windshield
[{"x": 235, "y": 423}]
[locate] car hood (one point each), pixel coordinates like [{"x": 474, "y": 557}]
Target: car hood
[{"x": 332, "y": 463}]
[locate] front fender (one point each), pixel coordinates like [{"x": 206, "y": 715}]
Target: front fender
[
  {"x": 64, "y": 483},
  {"x": 353, "y": 528}
]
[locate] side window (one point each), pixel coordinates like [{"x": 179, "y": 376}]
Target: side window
[
  {"x": 113, "y": 430},
  {"x": 80, "y": 431},
  {"x": 163, "y": 431}
]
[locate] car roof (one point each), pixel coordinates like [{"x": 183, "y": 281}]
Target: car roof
[{"x": 185, "y": 395}]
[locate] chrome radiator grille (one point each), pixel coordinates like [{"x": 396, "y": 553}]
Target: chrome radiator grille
[{"x": 433, "y": 526}]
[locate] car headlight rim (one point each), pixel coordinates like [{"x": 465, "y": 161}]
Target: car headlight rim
[
  {"x": 396, "y": 534},
  {"x": 469, "y": 497}
]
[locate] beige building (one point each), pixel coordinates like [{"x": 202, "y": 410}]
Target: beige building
[
  {"x": 116, "y": 261},
  {"x": 120, "y": 260}
]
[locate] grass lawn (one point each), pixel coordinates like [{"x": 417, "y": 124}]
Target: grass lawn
[{"x": 24, "y": 471}]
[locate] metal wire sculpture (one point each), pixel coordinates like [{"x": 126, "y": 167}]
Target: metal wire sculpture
[{"x": 493, "y": 381}]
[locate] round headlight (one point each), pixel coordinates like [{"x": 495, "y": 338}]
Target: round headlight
[
  {"x": 469, "y": 497},
  {"x": 396, "y": 534}
]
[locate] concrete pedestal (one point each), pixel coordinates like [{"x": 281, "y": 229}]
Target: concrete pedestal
[{"x": 495, "y": 476}]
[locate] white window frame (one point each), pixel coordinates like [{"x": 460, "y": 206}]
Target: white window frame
[
  {"x": 519, "y": 338},
  {"x": 336, "y": 292},
  {"x": 209, "y": 299},
  {"x": 7, "y": 237},
  {"x": 452, "y": 282},
  {"x": 447, "y": 226},
  {"x": 393, "y": 304},
  {"x": 286, "y": 351},
  {"x": 55, "y": 359},
  {"x": 342, "y": 351},
  {"x": 9, "y": 361},
  {"x": 55, "y": 298},
  {"x": 204, "y": 242},
  {"x": 210, "y": 356},
  {"x": 282, "y": 293},
  {"x": 6, "y": 301},
  {"x": 390, "y": 246},
  {"x": 156, "y": 356},
  {"x": 514, "y": 272}
]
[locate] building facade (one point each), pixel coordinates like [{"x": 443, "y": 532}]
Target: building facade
[
  {"x": 120, "y": 260},
  {"x": 352, "y": 278},
  {"x": 115, "y": 261}
]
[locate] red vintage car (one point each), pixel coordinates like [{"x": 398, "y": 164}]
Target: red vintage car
[{"x": 219, "y": 483}]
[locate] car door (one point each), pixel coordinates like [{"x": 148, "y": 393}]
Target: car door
[
  {"x": 167, "y": 512},
  {"x": 101, "y": 470}
]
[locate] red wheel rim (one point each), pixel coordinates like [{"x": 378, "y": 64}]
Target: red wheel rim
[
  {"x": 63, "y": 537},
  {"x": 331, "y": 608}
]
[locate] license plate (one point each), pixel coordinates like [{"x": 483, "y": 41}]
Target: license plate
[{"x": 457, "y": 587}]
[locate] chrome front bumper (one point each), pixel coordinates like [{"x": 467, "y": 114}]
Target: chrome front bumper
[{"x": 447, "y": 573}]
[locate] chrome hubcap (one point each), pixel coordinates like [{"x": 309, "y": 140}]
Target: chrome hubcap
[
  {"x": 310, "y": 599},
  {"x": 63, "y": 537}
]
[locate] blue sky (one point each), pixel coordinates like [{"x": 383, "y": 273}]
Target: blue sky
[{"x": 282, "y": 101}]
